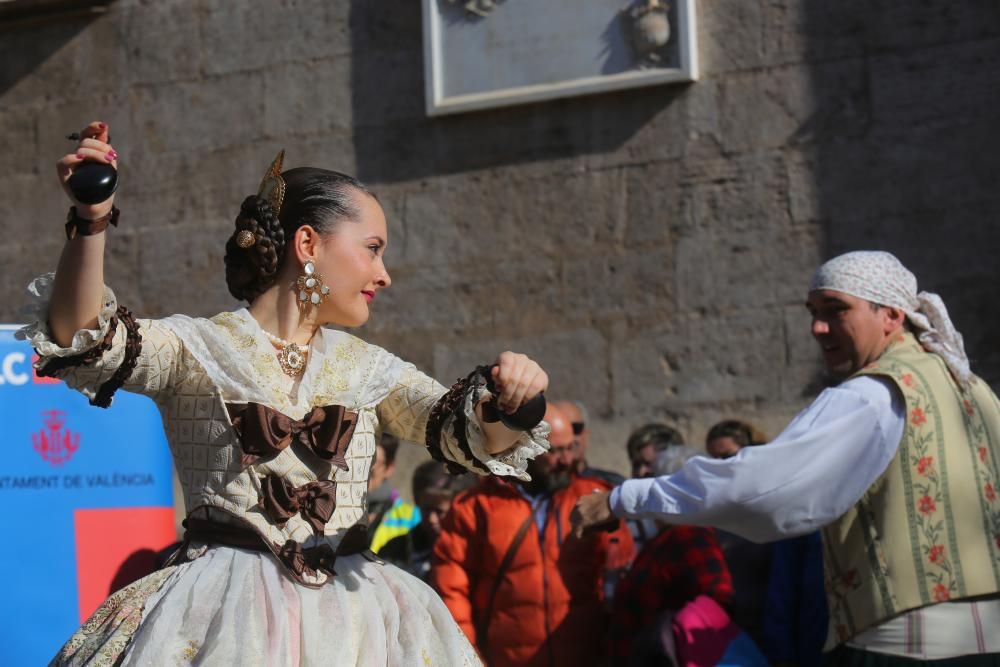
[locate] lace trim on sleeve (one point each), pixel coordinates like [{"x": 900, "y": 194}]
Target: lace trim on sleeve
[
  {"x": 455, "y": 436},
  {"x": 88, "y": 345},
  {"x": 56, "y": 365},
  {"x": 37, "y": 313},
  {"x": 448, "y": 408}
]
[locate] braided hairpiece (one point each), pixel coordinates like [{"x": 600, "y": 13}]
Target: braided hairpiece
[
  {"x": 255, "y": 249},
  {"x": 272, "y": 190}
]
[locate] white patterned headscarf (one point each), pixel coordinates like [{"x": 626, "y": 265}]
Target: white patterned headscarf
[{"x": 881, "y": 278}]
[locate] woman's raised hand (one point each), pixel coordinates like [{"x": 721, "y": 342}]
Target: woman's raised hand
[
  {"x": 519, "y": 379},
  {"x": 93, "y": 147}
]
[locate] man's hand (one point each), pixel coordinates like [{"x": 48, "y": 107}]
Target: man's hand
[{"x": 592, "y": 512}]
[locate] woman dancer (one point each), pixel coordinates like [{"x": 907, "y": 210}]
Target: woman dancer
[{"x": 272, "y": 420}]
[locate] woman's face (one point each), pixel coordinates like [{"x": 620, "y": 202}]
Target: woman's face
[{"x": 350, "y": 261}]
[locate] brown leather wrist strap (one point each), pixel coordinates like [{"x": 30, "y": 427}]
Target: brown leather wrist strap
[{"x": 77, "y": 226}]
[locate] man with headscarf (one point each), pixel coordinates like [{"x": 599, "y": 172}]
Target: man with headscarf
[{"x": 898, "y": 464}]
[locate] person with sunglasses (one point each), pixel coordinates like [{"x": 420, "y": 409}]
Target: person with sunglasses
[
  {"x": 576, "y": 412},
  {"x": 520, "y": 584}
]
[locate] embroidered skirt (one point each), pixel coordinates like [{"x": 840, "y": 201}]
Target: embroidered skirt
[{"x": 236, "y": 607}]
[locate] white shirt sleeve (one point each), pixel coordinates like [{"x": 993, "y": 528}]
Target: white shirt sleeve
[{"x": 807, "y": 477}]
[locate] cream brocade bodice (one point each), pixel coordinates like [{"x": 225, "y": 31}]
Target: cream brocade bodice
[{"x": 193, "y": 368}]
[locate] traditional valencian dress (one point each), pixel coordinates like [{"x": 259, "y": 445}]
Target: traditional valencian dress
[{"x": 274, "y": 568}]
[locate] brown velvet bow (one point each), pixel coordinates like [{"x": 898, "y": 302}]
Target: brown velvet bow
[
  {"x": 280, "y": 501},
  {"x": 321, "y": 557},
  {"x": 307, "y": 561},
  {"x": 264, "y": 432},
  {"x": 292, "y": 555}
]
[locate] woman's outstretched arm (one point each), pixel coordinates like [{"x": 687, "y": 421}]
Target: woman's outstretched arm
[
  {"x": 79, "y": 282},
  {"x": 449, "y": 421}
]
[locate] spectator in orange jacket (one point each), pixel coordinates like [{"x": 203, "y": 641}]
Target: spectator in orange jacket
[{"x": 521, "y": 586}]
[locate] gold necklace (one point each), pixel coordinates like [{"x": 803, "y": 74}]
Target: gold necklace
[{"x": 291, "y": 356}]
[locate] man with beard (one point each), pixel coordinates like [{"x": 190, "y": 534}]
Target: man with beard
[
  {"x": 523, "y": 588},
  {"x": 897, "y": 464}
]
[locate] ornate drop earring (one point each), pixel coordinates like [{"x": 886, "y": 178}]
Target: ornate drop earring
[{"x": 312, "y": 291}]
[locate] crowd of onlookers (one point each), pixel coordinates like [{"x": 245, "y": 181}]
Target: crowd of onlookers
[{"x": 527, "y": 591}]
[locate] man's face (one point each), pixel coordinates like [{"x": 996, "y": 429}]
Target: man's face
[
  {"x": 551, "y": 472},
  {"x": 562, "y": 455},
  {"x": 850, "y": 332},
  {"x": 559, "y": 459},
  {"x": 564, "y": 447},
  {"x": 581, "y": 434},
  {"x": 642, "y": 464}
]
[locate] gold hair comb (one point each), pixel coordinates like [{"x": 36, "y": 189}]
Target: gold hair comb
[{"x": 272, "y": 188}]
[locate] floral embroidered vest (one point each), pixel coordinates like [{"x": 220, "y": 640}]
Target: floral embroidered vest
[{"x": 928, "y": 530}]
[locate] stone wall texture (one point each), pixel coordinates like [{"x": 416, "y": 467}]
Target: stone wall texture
[{"x": 650, "y": 247}]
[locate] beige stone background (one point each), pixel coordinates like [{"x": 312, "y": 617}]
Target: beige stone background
[{"x": 650, "y": 247}]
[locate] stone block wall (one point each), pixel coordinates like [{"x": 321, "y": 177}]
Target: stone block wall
[{"x": 650, "y": 247}]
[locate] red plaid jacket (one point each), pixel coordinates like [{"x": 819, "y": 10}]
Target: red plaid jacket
[{"x": 673, "y": 568}]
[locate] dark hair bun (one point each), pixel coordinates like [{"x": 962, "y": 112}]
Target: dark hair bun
[{"x": 250, "y": 271}]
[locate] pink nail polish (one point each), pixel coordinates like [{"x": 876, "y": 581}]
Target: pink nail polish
[
  {"x": 102, "y": 126},
  {"x": 79, "y": 156},
  {"x": 112, "y": 156}
]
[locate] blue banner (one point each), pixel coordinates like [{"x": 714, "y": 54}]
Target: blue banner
[{"x": 88, "y": 497}]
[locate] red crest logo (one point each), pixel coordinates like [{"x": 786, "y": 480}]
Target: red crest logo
[{"x": 54, "y": 444}]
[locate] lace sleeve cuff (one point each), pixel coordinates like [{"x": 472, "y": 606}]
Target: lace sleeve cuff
[
  {"x": 455, "y": 436},
  {"x": 88, "y": 346},
  {"x": 37, "y": 332}
]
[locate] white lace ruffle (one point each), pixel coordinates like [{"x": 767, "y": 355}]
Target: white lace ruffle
[
  {"x": 228, "y": 367},
  {"x": 342, "y": 368},
  {"x": 511, "y": 463},
  {"x": 37, "y": 332}
]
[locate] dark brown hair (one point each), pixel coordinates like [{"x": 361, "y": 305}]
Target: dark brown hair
[
  {"x": 319, "y": 198},
  {"x": 433, "y": 477},
  {"x": 742, "y": 433},
  {"x": 390, "y": 445}
]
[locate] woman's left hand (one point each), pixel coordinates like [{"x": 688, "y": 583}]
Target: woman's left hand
[{"x": 518, "y": 379}]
